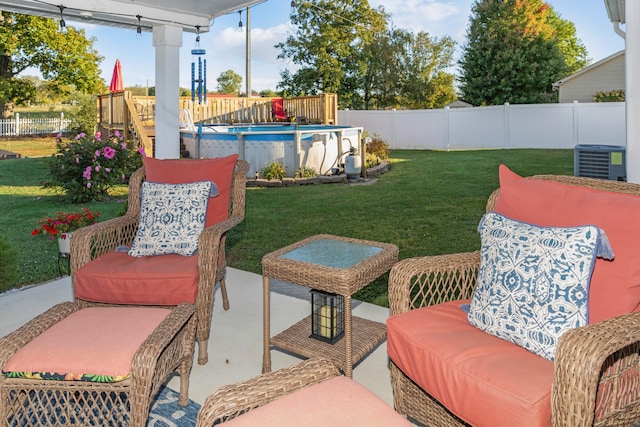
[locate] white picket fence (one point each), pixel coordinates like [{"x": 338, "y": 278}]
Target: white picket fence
[
  {"x": 18, "y": 126},
  {"x": 495, "y": 127}
]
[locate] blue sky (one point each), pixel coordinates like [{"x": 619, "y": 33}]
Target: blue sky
[{"x": 225, "y": 44}]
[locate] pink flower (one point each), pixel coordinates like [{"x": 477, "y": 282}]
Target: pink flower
[
  {"x": 97, "y": 135},
  {"x": 88, "y": 185},
  {"x": 97, "y": 168},
  {"x": 116, "y": 134},
  {"x": 123, "y": 145},
  {"x": 141, "y": 151},
  {"x": 97, "y": 153},
  {"x": 59, "y": 136},
  {"x": 109, "y": 152},
  {"x": 87, "y": 173},
  {"x": 77, "y": 159},
  {"x": 107, "y": 170}
]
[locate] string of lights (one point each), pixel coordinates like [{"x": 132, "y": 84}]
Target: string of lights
[{"x": 148, "y": 25}]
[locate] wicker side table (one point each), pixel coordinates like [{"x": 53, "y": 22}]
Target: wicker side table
[
  {"x": 333, "y": 264},
  {"x": 31, "y": 402}
]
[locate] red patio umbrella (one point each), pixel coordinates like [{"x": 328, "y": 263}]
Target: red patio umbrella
[{"x": 117, "y": 85}]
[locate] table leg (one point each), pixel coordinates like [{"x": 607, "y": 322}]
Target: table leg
[
  {"x": 348, "y": 363},
  {"x": 266, "y": 325}
]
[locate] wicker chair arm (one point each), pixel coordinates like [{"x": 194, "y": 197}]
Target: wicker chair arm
[
  {"x": 147, "y": 359},
  {"x": 233, "y": 400},
  {"x": 13, "y": 342},
  {"x": 596, "y": 371},
  {"x": 430, "y": 280},
  {"x": 90, "y": 242}
]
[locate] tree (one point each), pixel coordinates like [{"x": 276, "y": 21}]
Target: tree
[
  {"x": 407, "y": 70},
  {"x": 268, "y": 93},
  {"x": 427, "y": 84},
  {"x": 328, "y": 44},
  {"x": 66, "y": 61},
  {"x": 573, "y": 50},
  {"x": 348, "y": 48},
  {"x": 229, "y": 82},
  {"x": 515, "y": 50}
]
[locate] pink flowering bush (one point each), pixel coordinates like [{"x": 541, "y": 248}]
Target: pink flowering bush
[{"x": 88, "y": 166}]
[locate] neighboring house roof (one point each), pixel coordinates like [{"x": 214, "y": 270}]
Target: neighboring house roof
[
  {"x": 588, "y": 68},
  {"x": 458, "y": 103}
]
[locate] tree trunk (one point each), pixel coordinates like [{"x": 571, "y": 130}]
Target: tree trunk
[
  {"x": 7, "y": 109},
  {"x": 6, "y": 73}
]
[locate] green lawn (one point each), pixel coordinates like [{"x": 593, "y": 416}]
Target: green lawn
[
  {"x": 428, "y": 203},
  {"x": 30, "y": 147}
]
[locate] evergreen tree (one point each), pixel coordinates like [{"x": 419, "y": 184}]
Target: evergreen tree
[{"x": 515, "y": 50}]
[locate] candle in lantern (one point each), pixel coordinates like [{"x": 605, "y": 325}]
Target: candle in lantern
[{"x": 327, "y": 319}]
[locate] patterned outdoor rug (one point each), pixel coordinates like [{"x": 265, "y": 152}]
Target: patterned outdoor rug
[{"x": 165, "y": 411}]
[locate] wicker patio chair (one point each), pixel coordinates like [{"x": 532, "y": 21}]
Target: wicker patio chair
[
  {"x": 596, "y": 366},
  {"x": 93, "y": 241}
]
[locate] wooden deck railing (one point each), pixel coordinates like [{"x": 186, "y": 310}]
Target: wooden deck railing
[{"x": 135, "y": 115}]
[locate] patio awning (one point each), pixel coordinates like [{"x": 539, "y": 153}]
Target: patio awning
[{"x": 186, "y": 14}]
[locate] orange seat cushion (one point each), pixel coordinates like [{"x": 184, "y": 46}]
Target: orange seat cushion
[
  {"x": 615, "y": 285},
  {"x": 484, "y": 380},
  {"x": 118, "y": 278},
  {"x": 96, "y": 340},
  {"x": 339, "y": 401},
  {"x": 181, "y": 171}
]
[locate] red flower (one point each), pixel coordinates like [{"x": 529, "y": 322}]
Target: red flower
[{"x": 65, "y": 222}]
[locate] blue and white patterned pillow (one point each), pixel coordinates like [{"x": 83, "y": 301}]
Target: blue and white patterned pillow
[
  {"x": 172, "y": 216},
  {"x": 533, "y": 283}
]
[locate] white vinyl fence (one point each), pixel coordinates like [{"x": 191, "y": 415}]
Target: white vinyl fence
[
  {"x": 18, "y": 126},
  {"x": 504, "y": 126}
]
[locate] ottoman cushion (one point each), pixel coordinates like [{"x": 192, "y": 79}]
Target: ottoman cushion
[
  {"x": 94, "y": 342},
  {"x": 339, "y": 401}
]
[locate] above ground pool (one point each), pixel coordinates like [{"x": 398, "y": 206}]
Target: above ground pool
[{"x": 317, "y": 147}]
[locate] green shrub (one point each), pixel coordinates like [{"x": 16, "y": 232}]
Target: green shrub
[
  {"x": 274, "y": 170},
  {"x": 609, "y": 96},
  {"x": 8, "y": 265},
  {"x": 305, "y": 173},
  {"x": 87, "y": 167},
  {"x": 83, "y": 117},
  {"x": 377, "y": 151}
]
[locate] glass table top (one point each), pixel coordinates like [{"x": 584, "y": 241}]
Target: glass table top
[{"x": 332, "y": 253}]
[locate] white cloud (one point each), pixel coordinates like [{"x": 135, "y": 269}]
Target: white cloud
[
  {"x": 418, "y": 15},
  {"x": 227, "y": 51}
]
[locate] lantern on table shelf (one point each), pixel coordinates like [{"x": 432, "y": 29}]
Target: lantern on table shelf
[{"x": 327, "y": 316}]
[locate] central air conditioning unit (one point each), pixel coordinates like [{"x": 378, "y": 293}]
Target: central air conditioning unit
[{"x": 600, "y": 161}]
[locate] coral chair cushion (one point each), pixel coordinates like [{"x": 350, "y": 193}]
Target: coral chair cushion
[
  {"x": 615, "y": 285},
  {"x": 181, "y": 171},
  {"x": 339, "y": 401},
  {"x": 118, "y": 278},
  {"x": 96, "y": 341},
  {"x": 484, "y": 380}
]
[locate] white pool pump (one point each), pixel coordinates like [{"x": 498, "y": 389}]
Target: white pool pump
[{"x": 352, "y": 164}]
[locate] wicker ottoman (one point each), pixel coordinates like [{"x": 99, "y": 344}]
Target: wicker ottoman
[
  {"x": 93, "y": 366},
  {"x": 311, "y": 394}
]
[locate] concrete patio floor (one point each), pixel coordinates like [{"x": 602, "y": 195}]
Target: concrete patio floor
[{"x": 235, "y": 345}]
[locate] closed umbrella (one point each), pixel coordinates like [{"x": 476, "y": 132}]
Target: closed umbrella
[{"x": 117, "y": 85}]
